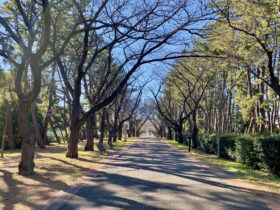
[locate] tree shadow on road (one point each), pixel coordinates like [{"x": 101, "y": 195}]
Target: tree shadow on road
[{"x": 136, "y": 193}]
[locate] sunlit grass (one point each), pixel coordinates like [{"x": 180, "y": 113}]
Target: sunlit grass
[
  {"x": 10, "y": 153},
  {"x": 243, "y": 171},
  {"x": 175, "y": 143},
  {"x": 120, "y": 144}
]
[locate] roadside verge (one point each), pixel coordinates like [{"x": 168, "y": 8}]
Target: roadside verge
[{"x": 268, "y": 193}]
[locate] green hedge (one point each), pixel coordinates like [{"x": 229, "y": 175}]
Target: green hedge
[
  {"x": 208, "y": 143},
  {"x": 257, "y": 152},
  {"x": 185, "y": 138},
  {"x": 269, "y": 154}
]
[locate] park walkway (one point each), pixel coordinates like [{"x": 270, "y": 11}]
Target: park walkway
[{"x": 152, "y": 175}]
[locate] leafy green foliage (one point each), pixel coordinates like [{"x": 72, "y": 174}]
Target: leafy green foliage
[
  {"x": 268, "y": 150},
  {"x": 245, "y": 152},
  {"x": 208, "y": 143},
  {"x": 258, "y": 152}
]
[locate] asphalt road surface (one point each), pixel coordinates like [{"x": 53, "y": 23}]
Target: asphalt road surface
[{"x": 152, "y": 175}]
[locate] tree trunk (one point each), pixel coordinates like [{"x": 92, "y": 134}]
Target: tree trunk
[
  {"x": 114, "y": 129},
  {"x": 120, "y": 132},
  {"x": 221, "y": 107},
  {"x": 102, "y": 129},
  {"x": 65, "y": 125},
  {"x": 49, "y": 110},
  {"x": 163, "y": 131},
  {"x": 261, "y": 101},
  {"x": 110, "y": 137},
  {"x": 10, "y": 132},
  {"x": 215, "y": 119},
  {"x": 272, "y": 117},
  {"x": 180, "y": 137},
  {"x": 229, "y": 118},
  {"x": 110, "y": 130},
  {"x": 75, "y": 126},
  {"x": 72, "y": 150},
  {"x": 90, "y": 133},
  {"x": 64, "y": 117},
  {"x": 206, "y": 122},
  {"x": 61, "y": 134},
  {"x": 179, "y": 134},
  {"x": 66, "y": 133},
  {"x": 131, "y": 131},
  {"x": 83, "y": 135},
  {"x": 54, "y": 132},
  {"x": 169, "y": 133},
  {"x": 4, "y": 133},
  {"x": 37, "y": 127},
  {"x": 194, "y": 131},
  {"x": 252, "y": 124},
  {"x": 176, "y": 135},
  {"x": 26, "y": 165}
]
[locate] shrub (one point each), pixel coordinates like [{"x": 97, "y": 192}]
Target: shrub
[
  {"x": 245, "y": 151},
  {"x": 269, "y": 154},
  {"x": 208, "y": 143},
  {"x": 258, "y": 152},
  {"x": 228, "y": 146},
  {"x": 185, "y": 138}
]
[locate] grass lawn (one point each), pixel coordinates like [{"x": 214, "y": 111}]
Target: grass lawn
[
  {"x": 53, "y": 172},
  {"x": 261, "y": 180}
]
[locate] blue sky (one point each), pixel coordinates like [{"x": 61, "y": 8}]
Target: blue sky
[{"x": 151, "y": 71}]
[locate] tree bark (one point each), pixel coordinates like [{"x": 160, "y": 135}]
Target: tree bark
[
  {"x": 169, "y": 133},
  {"x": 26, "y": 165},
  {"x": 252, "y": 124},
  {"x": 110, "y": 130},
  {"x": 61, "y": 134},
  {"x": 49, "y": 110},
  {"x": 179, "y": 134},
  {"x": 110, "y": 138},
  {"x": 120, "y": 131},
  {"x": 4, "y": 135},
  {"x": 272, "y": 117},
  {"x": 10, "y": 132},
  {"x": 37, "y": 127},
  {"x": 54, "y": 132},
  {"x": 66, "y": 124},
  {"x": 261, "y": 101},
  {"x": 221, "y": 106},
  {"x": 114, "y": 129},
  {"x": 72, "y": 150},
  {"x": 229, "y": 118},
  {"x": 194, "y": 131},
  {"x": 90, "y": 132},
  {"x": 102, "y": 130},
  {"x": 75, "y": 126},
  {"x": 180, "y": 137}
]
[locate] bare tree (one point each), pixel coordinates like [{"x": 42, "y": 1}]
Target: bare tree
[{"x": 139, "y": 36}]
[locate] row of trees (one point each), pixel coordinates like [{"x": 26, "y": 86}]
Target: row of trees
[
  {"x": 79, "y": 59},
  {"x": 238, "y": 91}
]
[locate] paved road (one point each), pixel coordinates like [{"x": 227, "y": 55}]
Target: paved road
[{"x": 151, "y": 175}]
